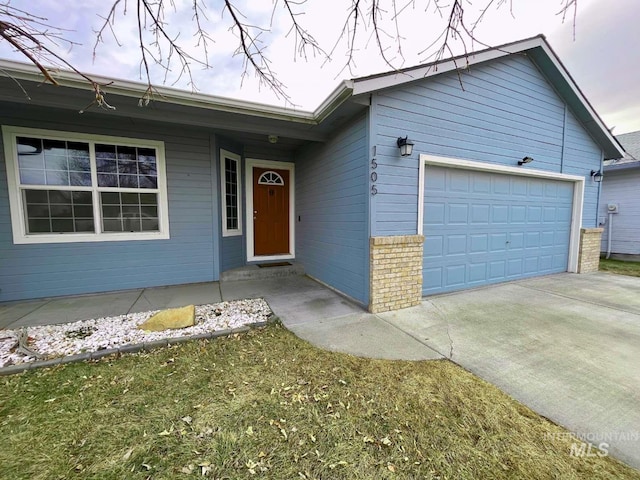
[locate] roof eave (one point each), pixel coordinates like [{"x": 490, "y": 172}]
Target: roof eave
[
  {"x": 21, "y": 71},
  {"x": 622, "y": 166},
  {"x": 594, "y": 124}
]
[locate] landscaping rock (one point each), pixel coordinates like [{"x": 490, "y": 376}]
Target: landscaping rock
[{"x": 171, "y": 319}]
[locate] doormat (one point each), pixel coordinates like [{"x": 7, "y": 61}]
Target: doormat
[{"x": 280, "y": 264}]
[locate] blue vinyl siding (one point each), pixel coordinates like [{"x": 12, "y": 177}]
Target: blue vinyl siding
[
  {"x": 43, "y": 270},
  {"x": 331, "y": 204},
  {"x": 506, "y": 111},
  {"x": 232, "y": 255},
  {"x": 581, "y": 155},
  {"x": 622, "y": 187}
]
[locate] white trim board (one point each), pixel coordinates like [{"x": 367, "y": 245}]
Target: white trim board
[
  {"x": 249, "y": 165},
  {"x": 578, "y": 192}
]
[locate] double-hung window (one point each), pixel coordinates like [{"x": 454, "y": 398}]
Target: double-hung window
[
  {"x": 231, "y": 195},
  {"x": 68, "y": 187}
]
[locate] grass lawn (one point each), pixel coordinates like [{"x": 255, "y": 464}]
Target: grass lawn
[
  {"x": 621, "y": 267},
  {"x": 268, "y": 405}
]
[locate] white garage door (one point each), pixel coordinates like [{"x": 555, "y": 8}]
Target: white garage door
[{"x": 484, "y": 227}]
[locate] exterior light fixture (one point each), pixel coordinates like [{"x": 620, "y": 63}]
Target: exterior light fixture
[
  {"x": 525, "y": 160},
  {"x": 273, "y": 138},
  {"x": 597, "y": 176},
  {"x": 405, "y": 146}
]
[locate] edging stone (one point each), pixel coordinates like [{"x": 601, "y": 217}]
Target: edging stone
[{"x": 130, "y": 348}]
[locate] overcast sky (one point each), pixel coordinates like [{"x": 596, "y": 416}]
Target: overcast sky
[{"x": 604, "y": 59}]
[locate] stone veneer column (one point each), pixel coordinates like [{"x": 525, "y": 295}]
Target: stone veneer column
[
  {"x": 395, "y": 272},
  {"x": 589, "y": 254}
]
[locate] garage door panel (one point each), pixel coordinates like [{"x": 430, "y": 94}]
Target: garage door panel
[
  {"x": 455, "y": 275},
  {"x": 483, "y": 228},
  {"x": 459, "y": 181},
  {"x": 514, "y": 267},
  {"x": 458, "y": 214},
  {"x": 501, "y": 186},
  {"x": 477, "y": 273},
  {"x": 479, "y": 243},
  {"x": 500, "y": 214},
  {"x": 531, "y": 265},
  {"x": 456, "y": 245},
  {"x": 518, "y": 214},
  {"x": 434, "y": 213},
  {"x": 534, "y": 214},
  {"x": 481, "y": 183},
  {"x": 480, "y": 214},
  {"x": 433, "y": 246},
  {"x": 497, "y": 269},
  {"x": 497, "y": 242}
]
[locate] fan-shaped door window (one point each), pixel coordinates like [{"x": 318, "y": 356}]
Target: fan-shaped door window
[{"x": 270, "y": 178}]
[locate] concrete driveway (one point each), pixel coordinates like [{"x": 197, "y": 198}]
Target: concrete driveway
[{"x": 567, "y": 346}]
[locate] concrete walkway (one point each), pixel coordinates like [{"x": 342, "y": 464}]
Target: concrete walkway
[{"x": 309, "y": 309}]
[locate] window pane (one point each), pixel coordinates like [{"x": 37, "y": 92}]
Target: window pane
[
  {"x": 107, "y": 180},
  {"x": 148, "y": 181},
  {"x": 110, "y": 198},
  {"x": 129, "y": 212},
  {"x": 57, "y": 177},
  {"x": 106, "y": 165},
  {"x": 112, "y": 225},
  {"x": 55, "y": 162},
  {"x": 126, "y": 153},
  {"x": 54, "y": 148},
  {"x": 53, "y": 211},
  {"x": 105, "y": 151},
  {"x": 137, "y": 167},
  {"x": 130, "y": 198},
  {"x": 81, "y": 179},
  {"x": 32, "y": 177},
  {"x": 127, "y": 166},
  {"x": 231, "y": 193},
  {"x": 128, "y": 181},
  {"x": 47, "y": 162}
]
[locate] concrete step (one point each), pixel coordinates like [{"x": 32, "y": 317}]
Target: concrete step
[{"x": 254, "y": 272}]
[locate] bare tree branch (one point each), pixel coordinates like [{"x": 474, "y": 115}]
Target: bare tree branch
[
  {"x": 161, "y": 47},
  {"x": 253, "y": 53}
]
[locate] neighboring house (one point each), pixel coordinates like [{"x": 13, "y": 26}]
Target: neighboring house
[
  {"x": 620, "y": 200},
  {"x": 195, "y": 185}
]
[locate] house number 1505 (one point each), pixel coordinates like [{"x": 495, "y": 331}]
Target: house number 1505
[{"x": 374, "y": 177}]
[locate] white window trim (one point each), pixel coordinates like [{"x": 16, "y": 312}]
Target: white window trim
[
  {"x": 20, "y": 235},
  {"x": 223, "y": 188},
  {"x": 578, "y": 192},
  {"x": 250, "y": 164}
]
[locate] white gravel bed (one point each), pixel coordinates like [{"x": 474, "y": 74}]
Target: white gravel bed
[{"x": 92, "y": 335}]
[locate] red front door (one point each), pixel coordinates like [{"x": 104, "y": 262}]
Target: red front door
[{"x": 270, "y": 211}]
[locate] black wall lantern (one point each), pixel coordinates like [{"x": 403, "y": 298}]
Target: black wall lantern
[
  {"x": 525, "y": 160},
  {"x": 597, "y": 176},
  {"x": 405, "y": 146}
]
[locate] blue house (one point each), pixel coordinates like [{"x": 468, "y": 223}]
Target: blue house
[
  {"x": 620, "y": 201},
  {"x": 497, "y": 187}
]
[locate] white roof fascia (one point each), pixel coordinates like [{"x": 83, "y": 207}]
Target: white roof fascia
[
  {"x": 393, "y": 79},
  {"x": 343, "y": 91},
  {"x": 22, "y": 71}
]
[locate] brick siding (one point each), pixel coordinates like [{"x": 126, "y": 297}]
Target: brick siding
[
  {"x": 589, "y": 254},
  {"x": 396, "y": 272}
]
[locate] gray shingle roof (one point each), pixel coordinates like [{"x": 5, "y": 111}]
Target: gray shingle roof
[{"x": 631, "y": 143}]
